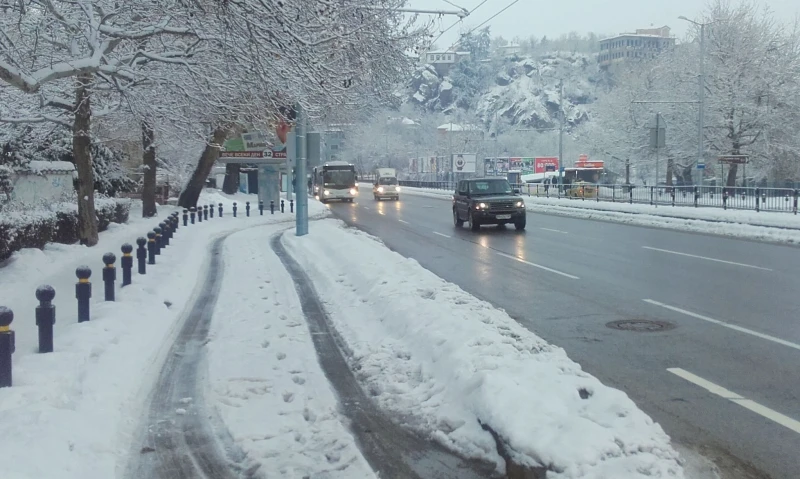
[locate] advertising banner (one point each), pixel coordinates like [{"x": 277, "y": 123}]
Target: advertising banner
[
  {"x": 464, "y": 163},
  {"x": 540, "y": 164}
]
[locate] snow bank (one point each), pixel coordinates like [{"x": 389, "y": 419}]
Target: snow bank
[
  {"x": 79, "y": 406},
  {"x": 763, "y": 226},
  {"x": 428, "y": 351},
  {"x": 265, "y": 379}
]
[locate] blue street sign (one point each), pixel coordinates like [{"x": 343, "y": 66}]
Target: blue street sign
[
  {"x": 701, "y": 166},
  {"x": 562, "y": 169}
]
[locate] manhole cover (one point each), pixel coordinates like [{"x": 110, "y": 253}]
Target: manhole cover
[{"x": 640, "y": 325}]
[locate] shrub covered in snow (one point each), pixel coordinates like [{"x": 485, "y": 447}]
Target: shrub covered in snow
[{"x": 59, "y": 224}]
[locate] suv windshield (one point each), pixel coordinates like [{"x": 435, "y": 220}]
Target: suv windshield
[
  {"x": 490, "y": 187},
  {"x": 387, "y": 180}
]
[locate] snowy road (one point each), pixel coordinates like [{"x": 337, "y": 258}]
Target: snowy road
[{"x": 721, "y": 378}]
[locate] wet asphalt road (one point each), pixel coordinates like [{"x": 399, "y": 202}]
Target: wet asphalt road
[{"x": 723, "y": 381}]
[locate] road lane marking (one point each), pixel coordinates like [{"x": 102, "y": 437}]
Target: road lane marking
[
  {"x": 441, "y": 234},
  {"x": 706, "y": 258},
  {"x": 720, "y": 391},
  {"x": 402, "y": 221},
  {"x": 537, "y": 265},
  {"x": 554, "y": 231},
  {"x": 734, "y": 327}
]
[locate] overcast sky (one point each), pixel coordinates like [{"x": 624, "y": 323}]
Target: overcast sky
[{"x": 556, "y": 17}]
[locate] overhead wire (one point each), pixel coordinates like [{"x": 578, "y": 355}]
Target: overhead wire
[{"x": 460, "y": 20}]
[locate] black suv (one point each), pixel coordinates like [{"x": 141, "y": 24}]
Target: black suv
[{"x": 488, "y": 201}]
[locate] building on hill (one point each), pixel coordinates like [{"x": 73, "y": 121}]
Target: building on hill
[
  {"x": 444, "y": 60},
  {"x": 645, "y": 43}
]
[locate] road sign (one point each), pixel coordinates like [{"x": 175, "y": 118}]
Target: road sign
[
  {"x": 658, "y": 132},
  {"x": 701, "y": 166},
  {"x": 733, "y": 159}
]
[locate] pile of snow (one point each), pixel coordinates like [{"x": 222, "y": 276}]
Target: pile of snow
[
  {"x": 763, "y": 226},
  {"x": 436, "y": 355},
  {"x": 265, "y": 379},
  {"x": 79, "y": 406}
]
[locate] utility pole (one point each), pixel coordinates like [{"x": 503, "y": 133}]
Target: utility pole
[
  {"x": 301, "y": 212},
  {"x": 560, "y": 132}
]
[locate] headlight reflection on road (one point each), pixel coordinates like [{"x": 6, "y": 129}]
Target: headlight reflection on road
[
  {"x": 519, "y": 247},
  {"x": 381, "y": 208}
]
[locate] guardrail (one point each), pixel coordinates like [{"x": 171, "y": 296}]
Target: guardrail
[{"x": 782, "y": 200}]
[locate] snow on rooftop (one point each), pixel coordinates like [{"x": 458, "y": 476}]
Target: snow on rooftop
[{"x": 38, "y": 166}]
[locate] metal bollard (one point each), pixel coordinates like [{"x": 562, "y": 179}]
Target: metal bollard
[
  {"x": 205, "y": 212},
  {"x": 173, "y": 226},
  {"x": 282, "y": 205},
  {"x": 109, "y": 275},
  {"x": 141, "y": 254},
  {"x": 199, "y": 214},
  {"x": 157, "y": 231},
  {"x": 272, "y": 207},
  {"x": 45, "y": 317},
  {"x": 185, "y": 217},
  {"x": 164, "y": 234},
  {"x": 83, "y": 292},
  {"x": 261, "y": 207},
  {"x": 247, "y": 208},
  {"x": 6, "y": 346},
  {"x": 291, "y": 206},
  {"x": 192, "y": 212},
  {"x": 175, "y": 221},
  {"x": 234, "y": 209},
  {"x": 211, "y": 210},
  {"x": 220, "y": 210},
  {"x": 127, "y": 263},
  {"x": 151, "y": 248}
]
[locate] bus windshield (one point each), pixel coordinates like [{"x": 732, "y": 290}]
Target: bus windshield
[{"x": 344, "y": 178}]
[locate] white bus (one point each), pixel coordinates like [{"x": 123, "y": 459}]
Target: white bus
[{"x": 335, "y": 180}]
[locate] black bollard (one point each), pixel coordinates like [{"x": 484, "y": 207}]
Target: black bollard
[
  {"x": 211, "y": 210},
  {"x": 141, "y": 254},
  {"x": 83, "y": 291},
  {"x": 234, "y": 209},
  {"x": 164, "y": 234},
  {"x": 247, "y": 208},
  {"x": 6, "y": 346},
  {"x": 261, "y": 207},
  {"x": 191, "y": 213},
  {"x": 199, "y": 214},
  {"x": 205, "y": 212},
  {"x": 272, "y": 207},
  {"x": 151, "y": 248},
  {"x": 291, "y": 206},
  {"x": 175, "y": 221},
  {"x": 283, "y": 206},
  {"x": 45, "y": 317},
  {"x": 185, "y": 217},
  {"x": 109, "y": 275},
  {"x": 127, "y": 264},
  {"x": 220, "y": 210},
  {"x": 157, "y": 231}
]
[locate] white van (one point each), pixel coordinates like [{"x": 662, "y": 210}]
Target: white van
[{"x": 386, "y": 184}]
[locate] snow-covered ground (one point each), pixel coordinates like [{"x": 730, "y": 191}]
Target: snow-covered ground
[
  {"x": 265, "y": 379},
  {"x": 72, "y": 413},
  {"x": 432, "y": 353},
  {"x": 763, "y": 226}
]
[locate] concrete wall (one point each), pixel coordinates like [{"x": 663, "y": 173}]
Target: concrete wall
[{"x": 53, "y": 183}]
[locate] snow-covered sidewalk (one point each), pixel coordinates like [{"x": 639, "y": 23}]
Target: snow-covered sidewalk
[
  {"x": 763, "y": 226},
  {"x": 79, "y": 406},
  {"x": 432, "y": 353},
  {"x": 265, "y": 379}
]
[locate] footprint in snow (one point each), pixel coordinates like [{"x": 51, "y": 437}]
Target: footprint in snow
[
  {"x": 288, "y": 397},
  {"x": 265, "y": 344},
  {"x": 281, "y": 356},
  {"x": 298, "y": 380}
]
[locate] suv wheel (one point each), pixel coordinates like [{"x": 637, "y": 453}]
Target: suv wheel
[
  {"x": 458, "y": 222},
  {"x": 473, "y": 225},
  {"x": 520, "y": 224}
]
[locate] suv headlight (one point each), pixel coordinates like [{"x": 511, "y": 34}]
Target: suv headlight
[
  {"x": 520, "y": 204},
  {"x": 481, "y": 206}
]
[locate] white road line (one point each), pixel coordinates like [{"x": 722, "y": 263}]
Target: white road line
[
  {"x": 366, "y": 207},
  {"x": 441, "y": 234},
  {"x": 538, "y": 266},
  {"x": 734, "y": 327},
  {"x": 402, "y": 221},
  {"x": 554, "y": 231},
  {"x": 706, "y": 258},
  {"x": 757, "y": 408}
]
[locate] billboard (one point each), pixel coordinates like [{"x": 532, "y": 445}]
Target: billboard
[
  {"x": 540, "y": 164},
  {"x": 464, "y": 163}
]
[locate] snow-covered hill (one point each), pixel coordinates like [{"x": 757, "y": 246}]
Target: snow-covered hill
[{"x": 522, "y": 91}]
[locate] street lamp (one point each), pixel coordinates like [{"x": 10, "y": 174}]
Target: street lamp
[{"x": 702, "y": 93}]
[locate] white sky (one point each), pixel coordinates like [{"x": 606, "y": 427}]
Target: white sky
[{"x": 556, "y": 17}]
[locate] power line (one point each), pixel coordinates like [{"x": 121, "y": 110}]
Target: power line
[
  {"x": 457, "y": 22},
  {"x": 492, "y": 17}
]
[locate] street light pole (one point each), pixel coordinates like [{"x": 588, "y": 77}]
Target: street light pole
[{"x": 560, "y": 132}]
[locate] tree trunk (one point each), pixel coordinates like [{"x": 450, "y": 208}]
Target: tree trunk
[
  {"x": 670, "y": 170},
  {"x": 231, "y": 184},
  {"x": 733, "y": 170},
  {"x": 82, "y": 153},
  {"x": 191, "y": 193},
  {"x": 149, "y": 209}
]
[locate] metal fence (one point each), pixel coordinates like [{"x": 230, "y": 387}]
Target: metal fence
[{"x": 737, "y": 198}]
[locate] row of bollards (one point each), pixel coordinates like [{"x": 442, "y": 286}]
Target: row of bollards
[{"x": 148, "y": 248}]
